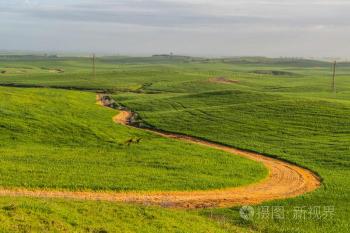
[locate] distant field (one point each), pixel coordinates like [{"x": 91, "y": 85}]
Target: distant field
[{"x": 284, "y": 108}]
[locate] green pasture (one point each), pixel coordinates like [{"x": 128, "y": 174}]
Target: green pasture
[
  {"x": 57, "y": 139},
  {"x": 41, "y": 215},
  {"x": 284, "y": 108}
]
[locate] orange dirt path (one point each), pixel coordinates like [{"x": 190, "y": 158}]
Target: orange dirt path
[{"x": 285, "y": 180}]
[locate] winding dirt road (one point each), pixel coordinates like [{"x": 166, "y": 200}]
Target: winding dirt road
[{"x": 285, "y": 180}]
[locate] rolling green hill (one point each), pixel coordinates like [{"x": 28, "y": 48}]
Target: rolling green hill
[
  {"x": 63, "y": 140},
  {"x": 284, "y": 108}
]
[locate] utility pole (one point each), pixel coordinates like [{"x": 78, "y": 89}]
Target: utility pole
[
  {"x": 94, "y": 66},
  {"x": 334, "y": 73}
]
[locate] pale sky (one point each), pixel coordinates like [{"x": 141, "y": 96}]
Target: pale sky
[{"x": 309, "y": 28}]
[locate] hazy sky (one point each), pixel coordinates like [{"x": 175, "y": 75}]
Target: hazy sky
[{"x": 316, "y": 28}]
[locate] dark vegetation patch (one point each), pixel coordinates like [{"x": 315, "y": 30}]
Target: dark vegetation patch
[
  {"x": 274, "y": 72},
  {"x": 295, "y": 62}
]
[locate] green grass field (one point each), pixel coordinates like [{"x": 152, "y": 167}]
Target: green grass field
[
  {"x": 284, "y": 108},
  {"x": 57, "y": 139},
  {"x": 33, "y": 215}
]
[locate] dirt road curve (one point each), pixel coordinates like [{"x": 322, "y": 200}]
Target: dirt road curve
[{"x": 284, "y": 181}]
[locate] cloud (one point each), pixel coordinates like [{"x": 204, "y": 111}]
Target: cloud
[
  {"x": 197, "y": 26},
  {"x": 169, "y": 13}
]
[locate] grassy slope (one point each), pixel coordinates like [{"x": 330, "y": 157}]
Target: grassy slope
[
  {"x": 62, "y": 139},
  {"x": 112, "y": 75},
  {"x": 33, "y": 215},
  {"x": 263, "y": 112},
  {"x": 312, "y": 132}
]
